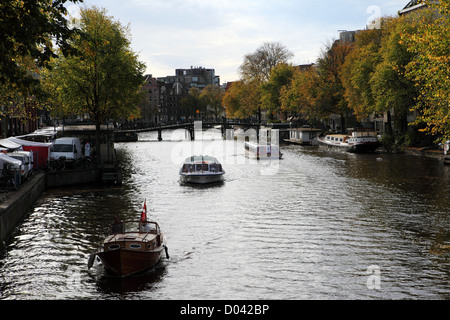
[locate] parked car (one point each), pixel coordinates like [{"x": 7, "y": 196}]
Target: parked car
[{"x": 67, "y": 149}]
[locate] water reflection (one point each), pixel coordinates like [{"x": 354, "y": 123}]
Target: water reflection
[
  {"x": 313, "y": 228},
  {"x": 119, "y": 287}
]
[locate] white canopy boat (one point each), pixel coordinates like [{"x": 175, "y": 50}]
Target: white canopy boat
[{"x": 201, "y": 170}]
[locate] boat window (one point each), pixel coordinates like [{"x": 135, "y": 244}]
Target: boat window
[
  {"x": 135, "y": 246},
  {"x": 114, "y": 247},
  {"x": 149, "y": 246}
]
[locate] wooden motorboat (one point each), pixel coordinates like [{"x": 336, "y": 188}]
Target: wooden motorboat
[
  {"x": 201, "y": 170},
  {"x": 125, "y": 253}
]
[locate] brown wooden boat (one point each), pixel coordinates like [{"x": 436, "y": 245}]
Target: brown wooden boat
[{"x": 126, "y": 253}]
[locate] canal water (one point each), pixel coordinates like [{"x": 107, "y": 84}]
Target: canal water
[{"x": 317, "y": 224}]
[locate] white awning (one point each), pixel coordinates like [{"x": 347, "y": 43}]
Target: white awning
[
  {"x": 22, "y": 142},
  {"x": 9, "y": 159},
  {"x": 7, "y": 143}
]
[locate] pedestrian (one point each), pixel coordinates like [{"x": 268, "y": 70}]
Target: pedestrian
[{"x": 87, "y": 150}]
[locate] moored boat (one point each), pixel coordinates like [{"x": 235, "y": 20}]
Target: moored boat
[
  {"x": 357, "y": 142},
  {"x": 303, "y": 136},
  {"x": 128, "y": 251},
  {"x": 201, "y": 170},
  {"x": 262, "y": 151}
]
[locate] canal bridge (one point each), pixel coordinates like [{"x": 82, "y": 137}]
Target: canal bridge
[{"x": 191, "y": 127}]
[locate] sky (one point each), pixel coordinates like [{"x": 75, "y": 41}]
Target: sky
[{"x": 217, "y": 34}]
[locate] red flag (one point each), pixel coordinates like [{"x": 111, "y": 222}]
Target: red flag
[{"x": 144, "y": 212}]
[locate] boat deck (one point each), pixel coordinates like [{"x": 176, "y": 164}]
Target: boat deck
[{"x": 131, "y": 236}]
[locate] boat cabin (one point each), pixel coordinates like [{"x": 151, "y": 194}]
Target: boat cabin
[
  {"x": 125, "y": 236},
  {"x": 337, "y": 138},
  {"x": 304, "y": 136},
  {"x": 201, "y": 164}
]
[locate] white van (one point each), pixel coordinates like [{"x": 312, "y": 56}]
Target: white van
[
  {"x": 67, "y": 147},
  {"x": 27, "y": 161}
]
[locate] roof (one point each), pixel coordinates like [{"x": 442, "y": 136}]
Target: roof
[
  {"x": 194, "y": 159},
  {"x": 411, "y": 6},
  {"x": 7, "y": 143}
]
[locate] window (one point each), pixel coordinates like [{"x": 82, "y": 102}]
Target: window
[{"x": 62, "y": 148}]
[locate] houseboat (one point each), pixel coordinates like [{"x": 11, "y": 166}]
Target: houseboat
[
  {"x": 201, "y": 170},
  {"x": 303, "y": 136},
  {"x": 357, "y": 142},
  {"x": 262, "y": 151}
]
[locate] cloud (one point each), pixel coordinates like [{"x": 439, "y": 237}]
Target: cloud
[{"x": 171, "y": 34}]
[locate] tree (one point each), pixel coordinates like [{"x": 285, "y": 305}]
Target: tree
[
  {"x": 258, "y": 65},
  {"x": 31, "y": 28},
  {"x": 212, "y": 96},
  {"x": 242, "y": 99},
  {"x": 103, "y": 80},
  {"x": 299, "y": 97},
  {"x": 430, "y": 68},
  {"x": 392, "y": 90},
  {"x": 192, "y": 102},
  {"x": 358, "y": 70},
  {"x": 280, "y": 76},
  {"x": 330, "y": 90}
]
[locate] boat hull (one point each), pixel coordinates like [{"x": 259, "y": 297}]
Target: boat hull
[
  {"x": 368, "y": 147},
  {"x": 201, "y": 178},
  {"x": 123, "y": 262}
]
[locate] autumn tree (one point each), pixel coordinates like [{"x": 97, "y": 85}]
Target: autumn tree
[
  {"x": 103, "y": 80},
  {"x": 300, "y": 95},
  {"x": 242, "y": 99},
  {"x": 358, "y": 71},
  {"x": 280, "y": 76},
  {"x": 330, "y": 90},
  {"x": 430, "y": 68},
  {"x": 258, "y": 65},
  {"x": 391, "y": 88}
]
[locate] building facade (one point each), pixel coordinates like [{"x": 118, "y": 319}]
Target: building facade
[{"x": 172, "y": 90}]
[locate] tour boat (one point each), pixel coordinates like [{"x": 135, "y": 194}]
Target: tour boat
[
  {"x": 357, "y": 142},
  {"x": 131, "y": 248},
  {"x": 201, "y": 170},
  {"x": 262, "y": 151}
]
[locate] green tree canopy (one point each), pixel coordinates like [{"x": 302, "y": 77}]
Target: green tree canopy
[
  {"x": 104, "y": 79},
  {"x": 31, "y": 28},
  {"x": 280, "y": 76},
  {"x": 430, "y": 68}
]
